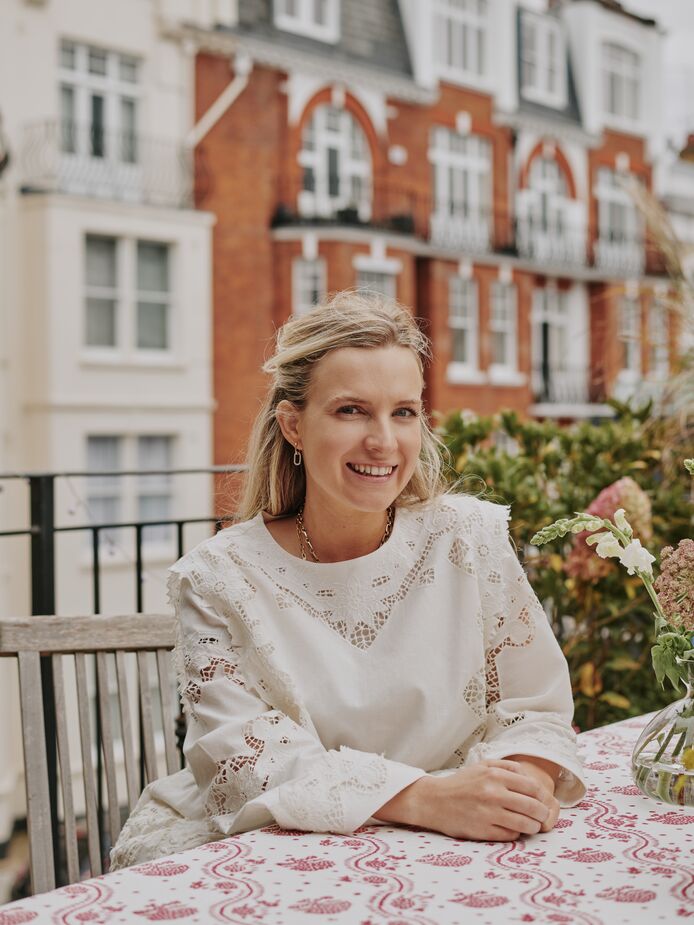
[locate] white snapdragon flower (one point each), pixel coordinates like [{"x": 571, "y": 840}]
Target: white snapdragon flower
[
  {"x": 606, "y": 545},
  {"x": 637, "y": 559},
  {"x": 622, "y": 522}
]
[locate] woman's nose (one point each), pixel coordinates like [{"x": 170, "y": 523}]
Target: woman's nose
[{"x": 381, "y": 437}]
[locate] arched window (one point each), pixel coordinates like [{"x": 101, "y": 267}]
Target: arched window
[
  {"x": 548, "y": 204},
  {"x": 336, "y": 165},
  {"x": 550, "y": 226}
]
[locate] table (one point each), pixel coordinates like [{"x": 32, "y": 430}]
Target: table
[{"x": 616, "y": 857}]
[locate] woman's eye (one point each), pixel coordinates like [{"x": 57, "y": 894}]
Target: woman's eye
[
  {"x": 348, "y": 409},
  {"x": 406, "y": 413}
]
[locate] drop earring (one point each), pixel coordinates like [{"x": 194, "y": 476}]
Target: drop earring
[{"x": 298, "y": 458}]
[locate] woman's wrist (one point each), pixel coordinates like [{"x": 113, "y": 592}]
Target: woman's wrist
[{"x": 406, "y": 807}]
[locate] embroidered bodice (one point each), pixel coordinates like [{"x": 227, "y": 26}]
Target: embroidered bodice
[{"x": 315, "y": 692}]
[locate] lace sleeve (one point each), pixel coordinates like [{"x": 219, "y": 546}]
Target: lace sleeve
[
  {"x": 254, "y": 763},
  {"x": 529, "y": 703}
]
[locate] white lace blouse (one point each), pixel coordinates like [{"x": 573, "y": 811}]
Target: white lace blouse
[{"x": 316, "y": 692}]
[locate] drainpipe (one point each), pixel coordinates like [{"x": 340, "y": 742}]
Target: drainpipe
[{"x": 243, "y": 65}]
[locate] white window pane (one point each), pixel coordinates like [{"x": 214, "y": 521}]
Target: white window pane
[
  {"x": 100, "y": 323},
  {"x": 154, "y": 492},
  {"x": 68, "y": 134},
  {"x": 377, "y": 282},
  {"x": 104, "y": 493},
  {"x": 97, "y": 62},
  {"x": 128, "y": 145},
  {"x": 152, "y": 326},
  {"x": 127, "y": 68},
  {"x": 308, "y": 283},
  {"x": 152, "y": 267},
  {"x": 101, "y": 261},
  {"x": 68, "y": 55}
]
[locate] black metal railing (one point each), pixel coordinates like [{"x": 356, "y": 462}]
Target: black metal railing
[
  {"x": 91, "y": 160},
  {"x": 553, "y": 385},
  {"x": 457, "y": 225},
  {"x": 42, "y": 532}
]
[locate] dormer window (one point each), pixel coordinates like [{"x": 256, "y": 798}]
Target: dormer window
[
  {"x": 460, "y": 36},
  {"x": 622, "y": 81},
  {"x": 543, "y": 61},
  {"x": 317, "y": 19}
]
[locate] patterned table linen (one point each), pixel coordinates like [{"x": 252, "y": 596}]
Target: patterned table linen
[{"x": 617, "y": 857}]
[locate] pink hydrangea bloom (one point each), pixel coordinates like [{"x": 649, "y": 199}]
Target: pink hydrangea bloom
[
  {"x": 675, "y": 584},
  {"x": 582, "y": 561}
]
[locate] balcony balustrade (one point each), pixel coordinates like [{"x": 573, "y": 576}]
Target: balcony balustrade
[
  {"x": 463, "y": 229},
  {"x": 90, "y": 161}
]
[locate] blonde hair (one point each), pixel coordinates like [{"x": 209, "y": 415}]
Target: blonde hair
[{"x": 348, "y": 319}]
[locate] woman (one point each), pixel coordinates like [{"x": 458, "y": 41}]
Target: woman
[{"x": 362, "y": 646}]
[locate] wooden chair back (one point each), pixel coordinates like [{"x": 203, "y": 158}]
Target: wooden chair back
[{"x": 95, "y": 644}]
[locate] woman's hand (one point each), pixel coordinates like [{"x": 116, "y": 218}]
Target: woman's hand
[{"x": 489, "y": 801}]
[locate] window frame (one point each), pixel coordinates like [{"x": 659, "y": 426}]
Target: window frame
[
  {"x": 623, "y": 242},
  {"x": 547, "y": 31},
  {"x": 349, "y": 142},
  {"x": 658, "y": 340},
  {"x": 300, "y": 266},
  {"x": 464, "y": 315},
  {"x": 387, "y": 276},
  {"x": 621, "y": 66},
  {"x": 508, "y": 293},
  {"x": 629, "y": 335},
  {"x": 461, "y": 162},
  {"x": 129, "y": 491},
  {"x": 472, "y": 28},
  {"x": 129, "y": 297},
  {"x": 301, "y": 21},
  {"x": 112, "y": 89}
]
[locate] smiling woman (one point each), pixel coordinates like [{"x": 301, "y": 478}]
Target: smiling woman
[{"x": 362, "y": 646}]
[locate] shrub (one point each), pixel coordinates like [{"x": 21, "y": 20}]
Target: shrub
[{"x": 547, "y": 471}]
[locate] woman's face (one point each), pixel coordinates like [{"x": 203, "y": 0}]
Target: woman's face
[{"x": 360, "y": 430}]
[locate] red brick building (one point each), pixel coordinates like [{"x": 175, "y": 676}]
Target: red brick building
[{"x": 472, "y": 158}]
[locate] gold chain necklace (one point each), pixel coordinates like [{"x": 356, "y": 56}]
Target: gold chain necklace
[{"x": 305, "y": 541}]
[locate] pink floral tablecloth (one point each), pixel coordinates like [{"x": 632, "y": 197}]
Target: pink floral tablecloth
[{"x": 617, "y": 857}]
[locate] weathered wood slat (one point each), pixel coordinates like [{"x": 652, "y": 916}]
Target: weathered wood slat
[
  {"x": 146, "y": 717},
  {"x": 104, "y": 702},
  {"x": 27, "y": 639},
  {"x": 126, "y": 731},
  {"x": 69, "y": 824},
  {"x": 36, "y": 770},
  {"x": 86, "y": 634},
  {"x": 167, "y": 710},
  {"x": 88, "y": 778}
]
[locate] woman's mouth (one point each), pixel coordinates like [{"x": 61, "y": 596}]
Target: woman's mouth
[{"x": 372, "y": 472}]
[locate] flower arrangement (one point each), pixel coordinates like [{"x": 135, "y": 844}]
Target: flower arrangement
[
  {"x": 666, "y": 747},
  {"x": 672, "y": 593}
]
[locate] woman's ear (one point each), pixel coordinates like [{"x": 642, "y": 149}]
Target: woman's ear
[{"x": 288, "y": 417}]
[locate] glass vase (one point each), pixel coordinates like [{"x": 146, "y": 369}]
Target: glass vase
[{"x": 662, "y": 763}]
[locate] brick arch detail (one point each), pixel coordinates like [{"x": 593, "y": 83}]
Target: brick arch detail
[
  {"x": 352, "y": 105},
  {"x": 559, "y": 157}
]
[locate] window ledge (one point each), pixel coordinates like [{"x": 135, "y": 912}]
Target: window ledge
[
  {"x": 504, "y": 375},
  {"x": 146, "y": 360},
  {"x": 460, "y": 374},
  {"x": 329, "y": 34}
]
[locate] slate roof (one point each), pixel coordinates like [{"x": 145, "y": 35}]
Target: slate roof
[{"x": 371, "y": 34}]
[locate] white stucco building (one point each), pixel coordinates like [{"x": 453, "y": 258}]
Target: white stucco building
[{"x": 105, "y": 302}]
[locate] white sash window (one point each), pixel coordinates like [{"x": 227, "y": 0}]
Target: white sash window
[{"x": 462, "y": 166}]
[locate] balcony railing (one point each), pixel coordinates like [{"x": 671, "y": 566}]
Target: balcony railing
[
  {"x": 554, "y": 386},
  {"x": 462, "y": 229},
  {"x": 88, "y": 160}
]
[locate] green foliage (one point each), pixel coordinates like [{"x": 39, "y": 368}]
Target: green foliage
[{"x": 548, "y": 472}]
